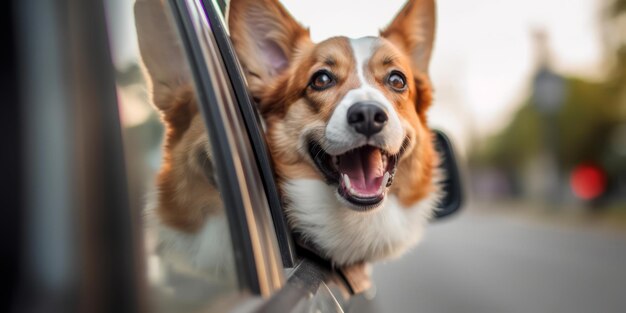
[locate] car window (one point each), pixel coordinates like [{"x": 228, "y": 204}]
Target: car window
[
  {"x": 189, "y": 253},
  {"x": 259, "y": 262},
  {"x": 190, "y": 157}
]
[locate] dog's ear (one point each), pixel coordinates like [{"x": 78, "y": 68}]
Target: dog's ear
[
  {"x": 162, "y": 55},
  {"x": 413, "y": 29},
  {"x": 265, "y": 37}
]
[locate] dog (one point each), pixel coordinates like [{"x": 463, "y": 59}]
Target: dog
[{"x": 346, "y": 126}]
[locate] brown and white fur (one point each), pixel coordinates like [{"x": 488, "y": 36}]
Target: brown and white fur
[{"x": 305, "y": 92}]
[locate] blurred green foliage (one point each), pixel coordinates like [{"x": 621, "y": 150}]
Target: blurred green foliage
[
  {"x": 618, "y": 7},
  {"x": 584, "y": 126}
]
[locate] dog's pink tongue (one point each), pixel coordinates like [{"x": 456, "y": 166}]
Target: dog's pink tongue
[{"x": 364, "y": 167}]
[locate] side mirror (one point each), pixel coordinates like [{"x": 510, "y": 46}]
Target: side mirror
[{"x": 453, "y": 192}]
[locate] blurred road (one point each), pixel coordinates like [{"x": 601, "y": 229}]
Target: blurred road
[{"x": 488, "y": 263}]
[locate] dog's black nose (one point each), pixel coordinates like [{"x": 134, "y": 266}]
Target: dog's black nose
[{"x": 367, "y": 118}]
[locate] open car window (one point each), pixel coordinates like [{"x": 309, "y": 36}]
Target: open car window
[
  {"x": 189, "y": 255},
  {"x": 210, "y": 237}
]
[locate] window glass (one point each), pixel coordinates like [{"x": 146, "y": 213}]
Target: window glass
[
  {"x": 188, "y": 249},
  {"x": 259, "y": 263},
  {"x": 251, "y": 121}
]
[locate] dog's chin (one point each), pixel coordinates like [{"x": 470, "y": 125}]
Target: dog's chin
[{"x": 361, "y": 175}]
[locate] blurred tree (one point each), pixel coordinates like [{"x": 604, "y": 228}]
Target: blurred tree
[
  {"x": 591, "y": 116},
  {"x": 613, "y": 26},
  {"x": 585, "y": 121}
]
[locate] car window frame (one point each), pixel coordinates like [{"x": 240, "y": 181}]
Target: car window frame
[
  {"x": 252, "y": 119},
  {"x": 258, "y": 262}
]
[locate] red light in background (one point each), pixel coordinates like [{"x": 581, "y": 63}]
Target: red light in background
[{"x": 588, "y": 181}]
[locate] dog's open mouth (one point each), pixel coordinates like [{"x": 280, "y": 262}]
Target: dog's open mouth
[{"x": 362, "y": 174}]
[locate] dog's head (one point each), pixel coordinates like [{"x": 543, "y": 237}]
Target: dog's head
[
  {"x": 346, "y": 126},
  {"x": 349, "y": 112}
]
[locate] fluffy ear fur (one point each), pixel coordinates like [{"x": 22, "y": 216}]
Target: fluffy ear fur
[
  {"x": 161, "y": 53},
  {"x": 414, "y": 30},
  {"x": 265, "y": 37},
  {"x": 167, "y": 68}
]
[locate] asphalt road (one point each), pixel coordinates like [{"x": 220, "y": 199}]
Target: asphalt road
[{"x": 497, "y": 263}]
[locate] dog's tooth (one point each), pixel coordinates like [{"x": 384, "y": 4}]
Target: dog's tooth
[
  {"x": 384, "y": 183},
  {"x": 346, "y": 181},
  {"x": 352, "y": 191}
]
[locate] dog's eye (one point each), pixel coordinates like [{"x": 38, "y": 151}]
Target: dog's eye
[
  {"x": 396, "y": 81},
  {"x": 322, "y": 80}
]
